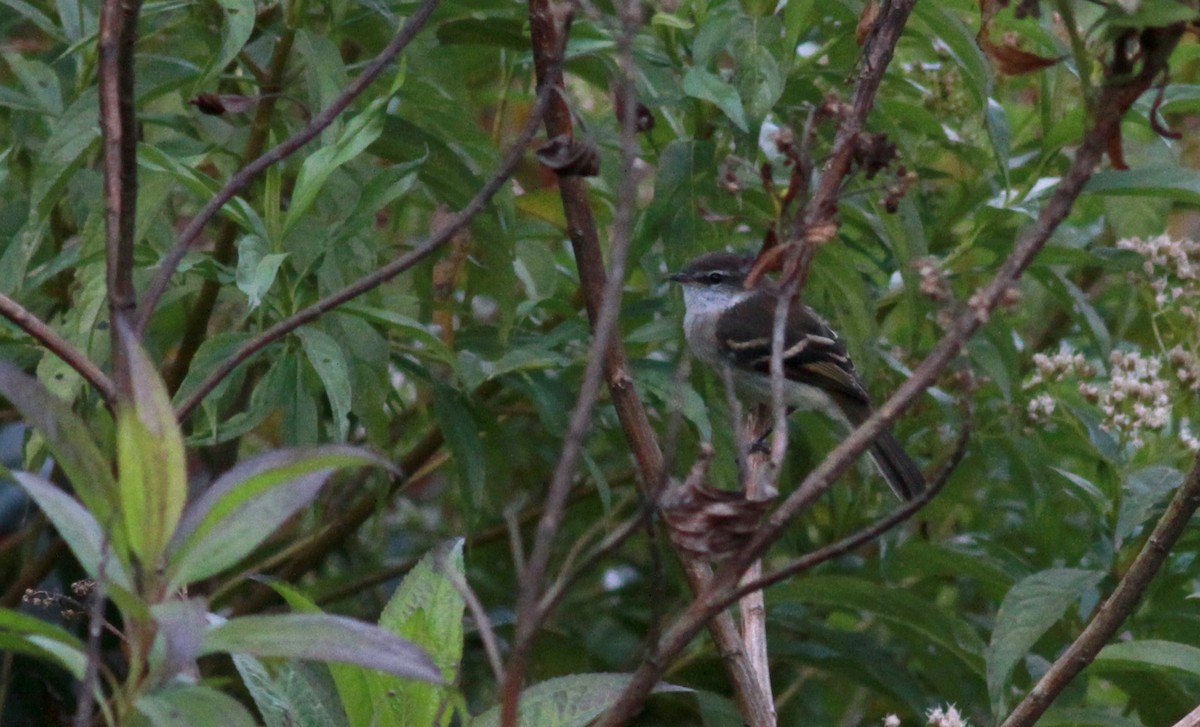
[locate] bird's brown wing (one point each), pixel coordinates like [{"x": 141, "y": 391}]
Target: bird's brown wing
[{"x": 812, "y": 352}]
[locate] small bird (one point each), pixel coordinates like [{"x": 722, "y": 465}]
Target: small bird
[{"x": 727, "y": 325}]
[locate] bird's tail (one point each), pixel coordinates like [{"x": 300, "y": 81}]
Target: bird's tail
[{"x": 901, "y": 473}]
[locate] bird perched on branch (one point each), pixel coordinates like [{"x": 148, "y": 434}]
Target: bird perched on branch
[{"x": 727, "y": 325}]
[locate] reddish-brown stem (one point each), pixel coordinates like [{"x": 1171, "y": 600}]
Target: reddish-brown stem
[
  {"x": 59, "y": 346},
  {"x": 118, "y": 31},
  {"x": 585, "y": 244}
]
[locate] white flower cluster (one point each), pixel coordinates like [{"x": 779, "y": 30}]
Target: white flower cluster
[
  {"x": 1040, "y": 407},
  {"x": 1186, "y": 367},
  {"x": 933, "y": 280},
  {"x": 1137, "y": 396},
  {"x": 1188, "y": 437},
  {"x": 1056, "y": 367},
  {"x": 1173, "y": 267},
  {"x": 948, "y": 717}
]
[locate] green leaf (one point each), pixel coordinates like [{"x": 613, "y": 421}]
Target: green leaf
[
  {"x": 202, "y": 186},
  {"x": 1160, "y": 182},
  {"x": 901, "y": 609},
  {"x": 44, "y": 640},
  {"x": 256, "y": 269},
  {"x": 699, "y": 83},
  {"x": 322, "y": 637},
  {"x": 76, "y": 526},
  {"x": 151, "y": 469},
  {"x": 39, "y": 80},
  {"x": 1143, "y": 489},
  {"x": 246, "y": 505},
  {"x": 570, "y": 701},
  {"x": 193, "y": 706},
  {"x": 354, "y": 685},
  {"x": 1151, "y": 15},
  {"x": 427, "y": 610},
  {"x": 215, "y": 350},
  {"x": 358, "y": 135},
  {"x": 462, "y": 437},
  {"x": 1029, "y": 610},
  {"x": 329, "y": 361},
  {"x": 71, "y": 137},
  {"x": 69, "y": 439},
  {"x": 237, "y": 25},
  {"x": 291, "y": 694},
  {"x": 1151, "y": 655}
]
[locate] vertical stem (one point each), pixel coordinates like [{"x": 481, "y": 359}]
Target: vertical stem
[{"x": 118, "y": 32}]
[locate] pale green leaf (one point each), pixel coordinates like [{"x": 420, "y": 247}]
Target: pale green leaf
[
  {"x": 1028, "y": 611},
  {"x": 322, "y": 637},
  {"x": 570, "y": 701},
  {"x": 329, "y": 361}
]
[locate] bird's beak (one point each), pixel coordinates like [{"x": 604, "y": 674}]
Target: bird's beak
[{"x": 677, "y": 278}]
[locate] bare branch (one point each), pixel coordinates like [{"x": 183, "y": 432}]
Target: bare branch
[
  {"x": 529, "y": 612},
  {"x": 585, "y": 244},
  {"x": 248, "y": 173},
  {"x": 59, "y": 346},
  {"x": 118, "y": 31},
  {"x": 1117, "y": 607},
  {"x": 368, "y": 282}
]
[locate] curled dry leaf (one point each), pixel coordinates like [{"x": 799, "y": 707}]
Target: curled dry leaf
[
  {"x": 1009, "y": 59},
  {"x": 866, "y": 21},
  {"x": 215, "y": 105},
  {"x": 709, "y": 523},
  {"x": 570, "y": 157},
  {"x": 643, "y": 117},
  {"x": 873, "y": 152}
]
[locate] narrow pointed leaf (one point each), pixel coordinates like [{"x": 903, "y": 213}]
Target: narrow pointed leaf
[
  {"x": 246, "y": 504},
  {"x": 152, "y": 472},
  {"x": 68, "y": 437},
  {"x": 571, "y": 701},
  {"x": 427, "y": 610},
  {"x": 322, "y": 637},
  {"x": 1029, "y": 610},
  {"x": 77, "y": 527}
]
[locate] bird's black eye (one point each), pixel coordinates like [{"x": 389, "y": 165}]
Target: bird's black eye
[{"x": 716, "y": 277}]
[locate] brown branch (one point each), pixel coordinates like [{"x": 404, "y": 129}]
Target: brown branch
[
  {"x": 585, "y": 245},
  {"x": 373, "y": 280},
  {"x": 248, "y": 173},
  {"x": 530, "y": 615},
  {"x": 118, "y": 31},
  {"x": 1116, "y": 608},
  {"x": 1120, "y": 92},
  {"x": 59, "y": 346}
]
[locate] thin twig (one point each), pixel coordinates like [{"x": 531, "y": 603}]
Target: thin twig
[
  {"x": 1116, "y": 608},
  {"x": 249, "y": 172},
  {"x": 487, "y": 633},
  {"x": 373, "y": 280},
  {"x": 58, "y": 346},
  {"x": 529, "y": 615},
  {"x": 1118, "y": 95},
  {"x": 118, "y": 31},
  {"x": 874, "y": 530},
  {"x": 89, "y": 684}
]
